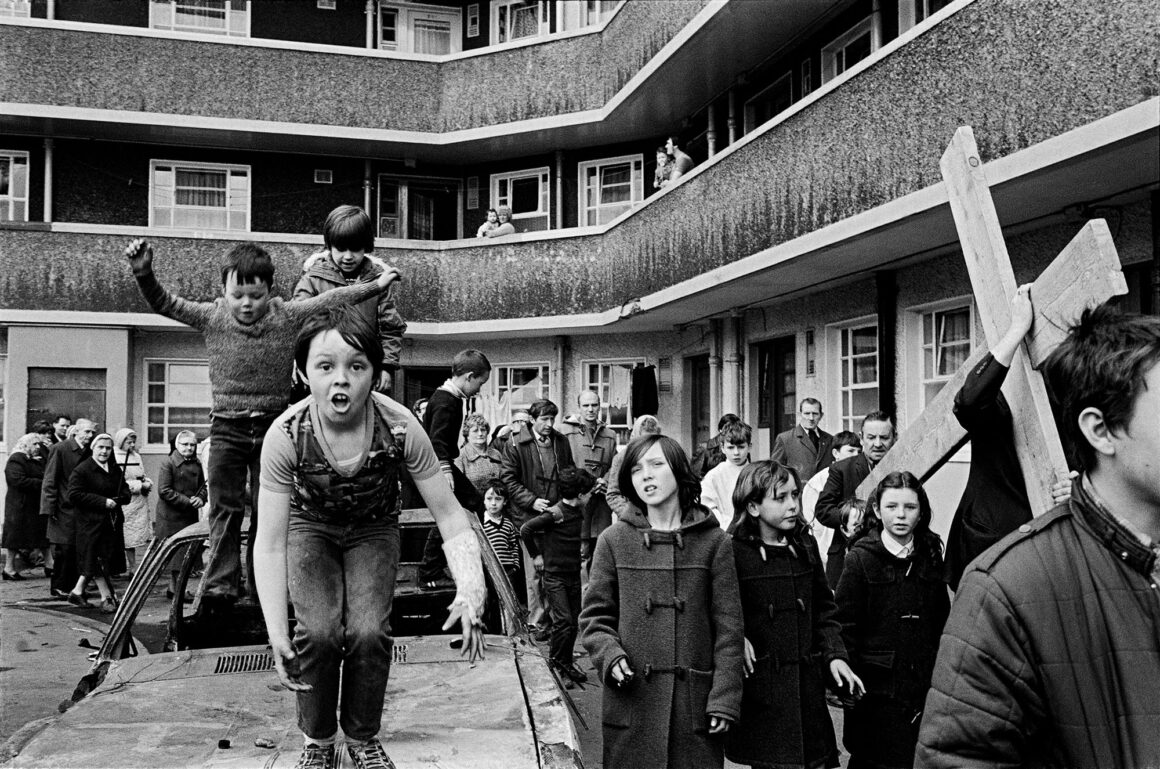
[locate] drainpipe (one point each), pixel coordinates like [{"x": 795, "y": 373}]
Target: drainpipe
[
  {"x": 370, "y": 12},
  {"x": 560, "y": 190},
  {"x": 876, "y": 25},
  {"x": 714, "y": 374},
  {"x": 48, "y": 147},
  {"x": 711, "y": 133},
  {"x": 556, "y": 386},
  {"x": 731, "y": 376},
  {"x": 732, "y": 115},
  {"x": 367, "y": 187}
]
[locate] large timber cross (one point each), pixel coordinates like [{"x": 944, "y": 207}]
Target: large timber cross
[{"x": 1086, "y": 273}]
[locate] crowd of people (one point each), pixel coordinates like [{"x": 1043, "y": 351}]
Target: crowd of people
[{"x": 725, "y": 603}]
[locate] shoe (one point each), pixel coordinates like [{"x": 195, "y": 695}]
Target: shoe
[
  {"x": 79, "y": 600},
  {"x": 541, "y": 635},
  {"x": 316, "y": 757},
  {"x": 13, "y": 577},
  {"x": 575, "y": 673},
  {"x": 369, "y": 756},
  {"x": 108, "y": 606},
  {"x": 57, "y": 593}
]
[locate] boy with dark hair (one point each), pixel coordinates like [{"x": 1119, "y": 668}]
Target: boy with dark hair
[
  {"x": 349, "y": 237},
  {"x": 443, "y": 421},
  {"x": 553, "y": 540},
  {"x": 1052, "y": 652},
  {"x": 330, "y": 517},
  {"x": 249, "y": 339},
  {"x": 717, "y": 486},
  {"x": 843, "y": 444},
  {"x": 708, "y": 454}
]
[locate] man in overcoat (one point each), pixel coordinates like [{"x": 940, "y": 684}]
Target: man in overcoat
[
  {"x": 805, "y": 447},
  {"x": 56, "y": 506}
]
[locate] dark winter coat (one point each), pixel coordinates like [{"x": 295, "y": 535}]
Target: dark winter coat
[
  {"x": 892, "y": 611},
  {"x": 789, "y": 620},
  {"x": 795, "y": 449},
  {"x": 1051, "y": 655},
  {"x": 24, "y": 528},
  {"x": 666, "y": 601},
  {"x": 320, "y": 273},
  {"x": 179, "y": 480},
  {"x": 98, "y": 526},
  {"x": 63, "y": 459},
  {"x": 523, "y": 473},
  {"x": 841, "y": 484},
  {"x": 593, "y": 451}
]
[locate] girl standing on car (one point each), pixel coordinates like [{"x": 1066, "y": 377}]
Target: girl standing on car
[
  {"x": 662, "y": 618},
  {"x": 328, "y": 538}
]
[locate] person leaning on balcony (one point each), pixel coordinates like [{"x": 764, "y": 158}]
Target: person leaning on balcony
[
  {"x": 664, "y": 168},
  {"x": 505, "y": 223},
  {"x": 682, "y": 163},
  {"x": 489, "y": 225}
]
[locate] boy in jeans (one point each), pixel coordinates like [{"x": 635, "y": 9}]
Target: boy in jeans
[
  {"x": 553, "y": 540},
  {"x": 249, "y": 338}
]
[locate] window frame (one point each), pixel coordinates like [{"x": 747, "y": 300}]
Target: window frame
[
  {"x": 166, "y": 425},
  {"x": 9, "y": 200},
  {"x": 491, "y": 407},
  {"x": 542, "y": 26},
  {"x": 4, "y": 399},
  {"x": 749, "y": 110},
  {"x": 597, "y": 385},
  {"x": 15, "y": 9},
  {"x": 226, "y": 31},
  {"x": 544, "y": 177},
  {"x": 636, "y": 186},
  {"x": 846, "y": 419},
  {"x": 406, "y": 16},
  {"x": 933, "y": 312},
  {"x": 911, "y": 13},
  {"x": 840, "y": 44},
  {"x": 228, "y": 168}
]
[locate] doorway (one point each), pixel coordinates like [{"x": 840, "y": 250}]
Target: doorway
[
  {"x": 77, "y": 392},
  {"x": 419, "y": 208},
  {"x": 700, "y": 407},
  {"x": 777, "y": 385}
]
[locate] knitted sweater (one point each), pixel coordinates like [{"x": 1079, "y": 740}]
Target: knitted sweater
[
  {"x": 249, "y": 366},
  {"x": 555, "y": 534}
]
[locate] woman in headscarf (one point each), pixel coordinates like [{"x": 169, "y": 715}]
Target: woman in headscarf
[
  {"x": 97, "y": 490},
  {"x": 137, "y": 528},
  {"x": 23, "y": 526}
]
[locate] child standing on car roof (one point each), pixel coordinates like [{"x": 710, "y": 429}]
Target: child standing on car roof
[{"x": 328, "y": 538}]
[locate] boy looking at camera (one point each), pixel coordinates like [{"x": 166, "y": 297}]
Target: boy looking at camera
[
  {"x": 718, "y": 484},
  {"x": 249, "y": 339}
]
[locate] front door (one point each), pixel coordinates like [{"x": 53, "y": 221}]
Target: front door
[
  {"x": 777, "y": 373},
  {"x": 76, "y": 392},
  {"x": 700, "y": 408}
]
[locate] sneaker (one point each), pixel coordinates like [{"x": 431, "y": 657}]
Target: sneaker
[
  {"x": 369, "y": 756},
  {"x": 316, "y": 757}
]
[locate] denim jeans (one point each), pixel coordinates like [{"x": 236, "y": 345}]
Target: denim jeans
[
  {"x": 342, "y": 579},
  {"x": 235, "y": 449},
  {"x": 562, "y": 594},
  {"x": 537, "y": 610}
]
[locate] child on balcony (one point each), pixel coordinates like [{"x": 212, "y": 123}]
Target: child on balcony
[
  {"x": 249, "y": 338},
  {"x": 328, "y": 516}
]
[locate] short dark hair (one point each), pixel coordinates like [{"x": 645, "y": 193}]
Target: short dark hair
[
  {"x": 250, "y": 263},
  {"x": 813, "y": 401},
  {"x": 470, "y": 361},
  {"x": 574, "y": 481},
  {"x": 736, "y": 432},
  {"x": 59, "y": 417},
  {"x": 418, "y": 404},
  {"x": 877, "y": 416},
  {"x": 846, "y": 438},
  {"x": 543, "y": 408},
  {"x": 726, "y": 419},
  {"x": 42, "y": 427},
  {"x": 348, "y": 228},
  {"x": 351, "y": 325},
  {"x": 496, "y": 485},
  {"x": 688, "y": 483},
  {"x": 1101, "y": 364},
  {"x": 662, "y": 150}
]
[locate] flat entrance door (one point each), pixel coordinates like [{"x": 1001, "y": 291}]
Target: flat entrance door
[
  {"x": 419, "y": 209},
  {"x": 777, "y": 375},
  {"x": 77, "y": 392},
  {"x": 699, "y": 408}
]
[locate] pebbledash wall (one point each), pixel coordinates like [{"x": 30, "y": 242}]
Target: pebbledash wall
[{"x": 875, "y": 138}]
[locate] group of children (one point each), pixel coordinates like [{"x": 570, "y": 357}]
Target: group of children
[{"x": 709, "y": 618}]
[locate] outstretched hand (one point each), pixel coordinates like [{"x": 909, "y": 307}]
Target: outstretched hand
[
  {"x": 140, "y": 256},
  {"x": 472, "y": 628},
  {"x": 286, "y": 663}
]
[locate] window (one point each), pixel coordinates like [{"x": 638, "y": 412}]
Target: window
[
  {"x": 526, "y": 193},
  {"x": 777, "y": 383},
  {"x": 612, "y": 381},
  {"x": 177, "y": 397},
  {"x": 610, "y": 187},
  {"x": 13, "y": 186},
  {"x": 17, "y": 8},
  {"x": 946, "y": 345},
  {"x": 849, "y": 49},
  {"x": 513, "y": 388},
  {"x": 201, "y": 196},
  {"x": 807, "y": 77},
  {"x": 911, "y": 12},
  {"x": 214, "y": 17},
  {"x": 3, "y": 393},
  {"x": 597, "y": 11},
  {"x": 76, "y": 391},
  {"x": 769, "y": 102},
  {"x": 419, "y": 30},
  {"x": 518, "y": 19},
  {"x": 859, "y": 364}
]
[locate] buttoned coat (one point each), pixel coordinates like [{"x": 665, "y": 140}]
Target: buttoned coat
[
  {"x": 794, "y": 448},
  {"x": 179, "y": 481},
  {"x": 523, "y": 473},
  {"x": 667, "y": 602},
  {"x": 593, "y": 451},
  {"x": 63, "y": 459}
]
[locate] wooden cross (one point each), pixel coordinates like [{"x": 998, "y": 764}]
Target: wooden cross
[{"x": 1086, "y": 273}]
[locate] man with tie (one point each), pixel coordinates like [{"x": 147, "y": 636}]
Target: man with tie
[{"x": 805, "y": 447}]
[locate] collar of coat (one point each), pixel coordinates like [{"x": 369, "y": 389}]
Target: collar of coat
[
  {"x": 693, "y": 519},
  {"x": 602, "y": 430},
  {"x": 320, "y": 265}
]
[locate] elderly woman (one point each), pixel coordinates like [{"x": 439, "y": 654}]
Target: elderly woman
[
  {"x": 479, "y": 463},
  {"x": 646, "y": 424},
  {"x": 137, "y": 528},
  {"x": 23, "y": 526},
  {"x": 97, "y": 490}
]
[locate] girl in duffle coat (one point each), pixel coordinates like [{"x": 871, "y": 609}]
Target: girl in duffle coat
[
  {"x": 892, "y": 605},
  {"x": 793, "y": 645},
  {"x": 662, "y": 619}
]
